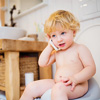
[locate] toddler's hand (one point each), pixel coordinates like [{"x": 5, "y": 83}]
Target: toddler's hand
[
  {"x": 48, "y": 37},
  {"x": 49, "y": 44},
  {"x": 70, "y": 81}
]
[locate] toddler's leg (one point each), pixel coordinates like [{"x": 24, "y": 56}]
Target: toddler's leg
[
  {"x": 37, "y": 88},
  {"x": 62, "y": 92},
  {"x": 59, "y": 92}
]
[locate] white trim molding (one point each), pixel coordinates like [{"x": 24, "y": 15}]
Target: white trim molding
[{"x": 44, "y": 3}]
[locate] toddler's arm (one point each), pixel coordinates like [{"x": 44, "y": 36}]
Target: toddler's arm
[
  {"x": 46, "y": 58},
  {"x": 89, "y": 68},
  {"x": 88, "y": 63}
]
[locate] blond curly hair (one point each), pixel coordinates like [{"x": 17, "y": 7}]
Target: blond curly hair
[{"x": 62, "y": 18}]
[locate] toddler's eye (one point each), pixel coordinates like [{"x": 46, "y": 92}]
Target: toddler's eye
[
  {"x": 62, "y": 33},
  {"x": 53, "y": 35}
]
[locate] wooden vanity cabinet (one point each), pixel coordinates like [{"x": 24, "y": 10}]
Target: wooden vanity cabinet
[{"x": 11, "y": 50}]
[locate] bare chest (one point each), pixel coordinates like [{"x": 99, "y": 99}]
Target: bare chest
[{"x": 67, "y": 59}]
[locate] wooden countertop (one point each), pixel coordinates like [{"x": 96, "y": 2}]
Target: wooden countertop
[{"x": 21, "y": 45}]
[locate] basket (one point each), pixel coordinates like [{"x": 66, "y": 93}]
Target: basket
[
  {"x": 26, "y": 64},
  {"x": 2, "y": 71}
]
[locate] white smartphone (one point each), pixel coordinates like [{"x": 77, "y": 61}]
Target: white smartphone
[{"x": 51, "y": 42}]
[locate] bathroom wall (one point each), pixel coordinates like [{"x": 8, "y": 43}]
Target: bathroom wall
[
  {"x": 28, "y": 22},
  {"x": 90, "y": 17},
  {"x": 38, "y": 17}
]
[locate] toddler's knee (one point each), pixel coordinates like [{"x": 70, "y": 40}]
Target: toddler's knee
[
  {"x": 58, "y": 90},
  {"x": 27, "y": 94},
  {"x": 58, "y": 86},
  {"x": 29, "y": 88}
]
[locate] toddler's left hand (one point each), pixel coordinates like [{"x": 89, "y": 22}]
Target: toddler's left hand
[{"x": 70, "y": 81}]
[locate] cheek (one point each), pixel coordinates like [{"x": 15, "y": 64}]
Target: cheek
[
  {"x": 69, "y": 40},
  {"x": 55, "y": 42}
]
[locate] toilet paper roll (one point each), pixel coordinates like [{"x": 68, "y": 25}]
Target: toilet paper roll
[{"x": 29, "y": 77}]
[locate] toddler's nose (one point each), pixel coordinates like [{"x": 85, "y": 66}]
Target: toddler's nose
[{"x": 59, "y": 39}]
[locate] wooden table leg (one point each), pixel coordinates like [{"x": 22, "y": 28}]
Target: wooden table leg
[{"x": 12, "y": 75}]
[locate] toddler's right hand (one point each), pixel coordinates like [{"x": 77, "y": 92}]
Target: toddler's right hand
[
  {"x": 70, "y": 81},
  {"x": 52, "y": 44}
]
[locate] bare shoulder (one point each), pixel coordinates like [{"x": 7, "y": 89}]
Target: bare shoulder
[
  {"x": 84, "y": 51},
  {"x": 82, "y": 47}
]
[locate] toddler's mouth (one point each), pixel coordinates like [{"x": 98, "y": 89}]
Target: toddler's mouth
[{"x": 62, "y": 44}]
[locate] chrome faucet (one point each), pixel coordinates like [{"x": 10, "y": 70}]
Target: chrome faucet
[{"x": 11, "y": 17}]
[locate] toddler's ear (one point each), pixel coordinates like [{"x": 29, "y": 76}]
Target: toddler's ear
[
  {"x": 48, "y": 36},
  {"x": 74, "y": 33}
]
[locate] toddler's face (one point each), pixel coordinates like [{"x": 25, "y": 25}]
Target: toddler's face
[{"x": 62, "y": 38}]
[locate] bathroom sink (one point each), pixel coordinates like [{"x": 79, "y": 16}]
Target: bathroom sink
[{"x": 11, "y": 33}]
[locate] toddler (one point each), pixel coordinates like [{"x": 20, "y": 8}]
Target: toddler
[{"x": 74, "y": 62}]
